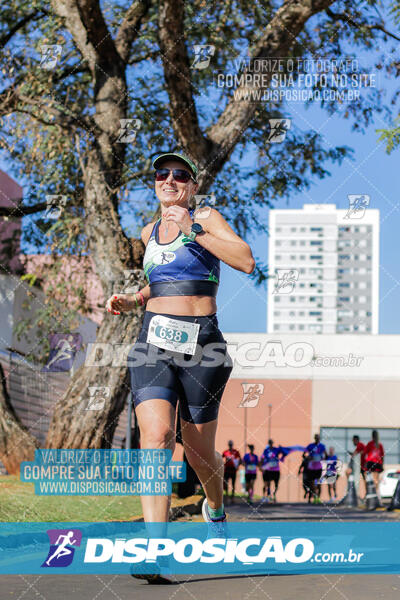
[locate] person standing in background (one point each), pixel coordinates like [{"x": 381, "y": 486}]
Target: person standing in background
[
  {"x": 374, "y": 454},
  {"x": 356, "y": 464},
  {"x": 307, "y": 485},
  {"x": 250, "y": 461},
  {"x": 232, "y": 461},
  {"x": 331, "y": 474},
  {"x": 269, "y": 465},
  {"x": 316, "y": 452}
]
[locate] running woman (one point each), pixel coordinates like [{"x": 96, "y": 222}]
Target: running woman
[
  {"x": 332, "y": 474},
  {"x": 356, "y": 464},
  {"x": 373, "y": 457},
  {"x": 232, "y": 461},
  {"x": 182, "y": 266},
  {"x": 316, "y": 452},
  {"x": 307, "y": 484},
  {"x": 250, "y": 461},
  {"x": 269, "y": 464}
]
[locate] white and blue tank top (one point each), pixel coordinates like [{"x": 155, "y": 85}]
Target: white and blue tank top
[{"x": 180, "y": 268}]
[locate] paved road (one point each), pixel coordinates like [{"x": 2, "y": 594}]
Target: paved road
[
  {"x": 210, "y": 587},
  {"x": 242, "y": 511},
  {"x": 206, "y": 587}
]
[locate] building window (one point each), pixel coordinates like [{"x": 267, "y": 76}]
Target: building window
[{"x": 341, "y": 438}]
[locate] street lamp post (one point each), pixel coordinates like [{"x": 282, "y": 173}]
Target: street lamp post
[
  {"x": 269, "y": 420},
  {"x": 245, "y": 422}
]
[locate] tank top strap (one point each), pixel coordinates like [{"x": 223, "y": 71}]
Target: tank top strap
[{"x": 153, "y": 231}]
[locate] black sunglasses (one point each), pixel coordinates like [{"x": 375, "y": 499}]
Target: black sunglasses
[{"x": 180, "y": 175}]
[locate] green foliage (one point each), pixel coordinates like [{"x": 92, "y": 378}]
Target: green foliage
[
  {"x": 49, "y": 155},
  {"x": 391, "y": 137}
]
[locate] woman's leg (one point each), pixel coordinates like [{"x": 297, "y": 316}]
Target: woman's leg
[
  {"x": 376, "y": 476},
  {"x": 199, "y": 444},
  {"x": 156, "y": 420}
]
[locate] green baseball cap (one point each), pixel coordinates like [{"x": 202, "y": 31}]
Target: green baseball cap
[{"x": 157, "y": 162}]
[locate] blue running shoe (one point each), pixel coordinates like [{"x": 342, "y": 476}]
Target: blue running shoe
[
  {"x": 217, "y": 528},
  {"x": 155, "y": 578}
]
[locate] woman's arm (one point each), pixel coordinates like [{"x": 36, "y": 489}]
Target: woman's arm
[
  {"x": 218, "y": 237},
  {"x": 118, "y": 303}
]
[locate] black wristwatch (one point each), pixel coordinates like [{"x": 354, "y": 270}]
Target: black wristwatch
[{"x": 195, "y": 230}]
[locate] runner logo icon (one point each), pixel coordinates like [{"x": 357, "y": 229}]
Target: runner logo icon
[{"x": 61, "y": 552}]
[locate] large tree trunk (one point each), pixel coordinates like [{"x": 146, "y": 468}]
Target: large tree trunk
[
  {"x": 16, "y": 443},
  {"x": 73, "y": 426}
]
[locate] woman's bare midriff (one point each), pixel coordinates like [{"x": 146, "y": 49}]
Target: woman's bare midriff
[{"x": 188, "y": 306}]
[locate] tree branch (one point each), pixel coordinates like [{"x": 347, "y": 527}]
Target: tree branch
[
  {"x": 279, "y": 36},
  {"x": 4, "y": 39},
  {"x": 350, "y": 21},
  {"x": 130, "y": 26},
  {"x": 11, "y": 101},
  {"x": 19, "y": 210},
  {"x": 63, "y": 120},
  {"x": 178, "y": 79},
  {"x": 85, "y": 22}
]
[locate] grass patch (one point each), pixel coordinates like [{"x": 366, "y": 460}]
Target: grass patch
[{"x": 18, "y": 502}]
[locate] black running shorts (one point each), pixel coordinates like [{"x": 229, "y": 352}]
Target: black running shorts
[
  {"x": 271, "y": 476},
  {"x": 197, "y": 381}
]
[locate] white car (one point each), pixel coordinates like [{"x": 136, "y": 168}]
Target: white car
[{"x": 388, "y": 483}]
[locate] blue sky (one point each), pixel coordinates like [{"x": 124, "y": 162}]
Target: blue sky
[{"x": 372, "y": 172}]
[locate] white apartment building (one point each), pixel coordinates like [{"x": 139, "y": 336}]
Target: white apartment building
[{"x": 324, "y": 270}]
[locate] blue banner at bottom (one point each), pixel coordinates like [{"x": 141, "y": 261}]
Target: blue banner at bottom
[{"x": 185, "y": 548}]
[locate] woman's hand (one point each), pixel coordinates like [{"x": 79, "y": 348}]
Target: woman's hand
[
  {"x": 181, "y": 217},
  {"x": 118, "y": 303}
]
